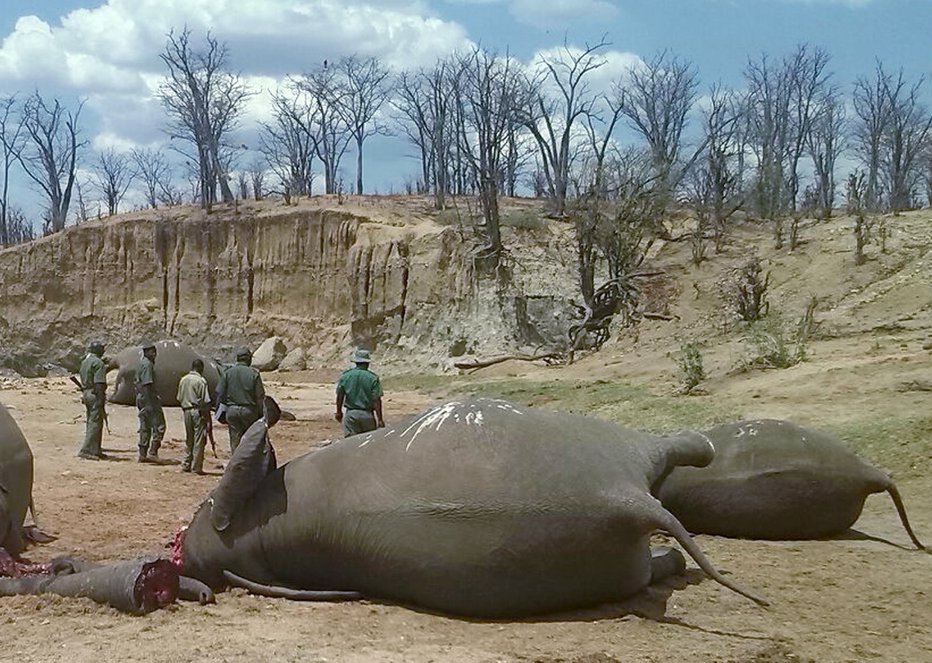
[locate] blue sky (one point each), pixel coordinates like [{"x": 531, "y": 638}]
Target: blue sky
[{"x": 107, "y": 52}]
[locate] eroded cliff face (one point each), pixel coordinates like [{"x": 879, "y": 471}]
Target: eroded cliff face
[{"x": 324, "y": 279}]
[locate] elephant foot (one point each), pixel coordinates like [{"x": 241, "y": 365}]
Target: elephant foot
[{"x": 666, "y": 562}]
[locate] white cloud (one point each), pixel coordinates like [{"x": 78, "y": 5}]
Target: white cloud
[{"x": 109, "y": 54}]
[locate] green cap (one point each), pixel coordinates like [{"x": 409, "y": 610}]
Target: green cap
[{"x": 362, "y": 356}]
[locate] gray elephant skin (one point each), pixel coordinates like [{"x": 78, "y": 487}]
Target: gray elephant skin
[
  {"x": 16, "y": 471},
  {"x": 172, "y": 362},
  {"x": 773, "y": 479},
  {"x": 477, "y": 508}
]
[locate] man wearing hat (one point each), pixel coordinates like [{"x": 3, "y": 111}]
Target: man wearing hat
[
  {"x": 359, "y": 397},
  {"x": 151, "y": 417},
  {"x": 241, "y": 392},
  {"x": 194, "y": 400},
  {"x": 93, "y": 374}
]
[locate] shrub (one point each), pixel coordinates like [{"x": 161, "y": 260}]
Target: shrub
[
  {"x": 690, "y": 364},
  {"x": 744, "y": 290}
]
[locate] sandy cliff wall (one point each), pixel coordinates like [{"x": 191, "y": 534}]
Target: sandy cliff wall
[{"x": 323, "y": 279}]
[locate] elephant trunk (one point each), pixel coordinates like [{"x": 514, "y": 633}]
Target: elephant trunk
[{"x": 137, "y": 586}]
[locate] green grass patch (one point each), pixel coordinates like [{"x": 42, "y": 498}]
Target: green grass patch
[
  {"x": 902, "y": 445},
  {"x": 624, "y": 403}
]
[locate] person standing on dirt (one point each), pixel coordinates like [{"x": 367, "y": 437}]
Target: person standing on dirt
[
  {"x": 359, "y": 397},
  {"x": 195, "y": 406},
  {"x": 93, "y": 375},
  {"x": 241, "y": 393},
  {"x": 151, "y": 416}
]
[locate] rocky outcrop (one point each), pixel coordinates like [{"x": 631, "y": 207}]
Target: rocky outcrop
[
  {"x": 294, "y": 361},
  {"x": 322, "y": 279},
  {"x": 269, "y": 354}
]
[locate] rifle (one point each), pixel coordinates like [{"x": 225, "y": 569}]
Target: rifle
[
  {"x": 77, "y": 382},
  {"x": 208, "y": 420}
]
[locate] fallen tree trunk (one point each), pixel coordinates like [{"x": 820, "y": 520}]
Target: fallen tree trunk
[{"x": 491, "y": 361}]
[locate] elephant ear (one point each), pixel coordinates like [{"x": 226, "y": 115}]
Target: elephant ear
[{"x": 253, "y": 459}]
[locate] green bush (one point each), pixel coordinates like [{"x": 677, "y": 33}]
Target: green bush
[{"x": 690, "y": 364}]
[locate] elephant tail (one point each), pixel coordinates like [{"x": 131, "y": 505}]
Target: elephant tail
[
  {"x": 278, "y": 592},
  {"x": 890, "y": 487},
  {"x": 667, "y": 522}
]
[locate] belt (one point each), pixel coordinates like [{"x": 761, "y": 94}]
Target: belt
[
  {"x": 193, "y": 407},
  {"x": 357, "y": 409}
]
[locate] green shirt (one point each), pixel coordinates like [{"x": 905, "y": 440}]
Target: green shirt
[
  {"x": 192, "y": 392},
  {"x": 93, "y": 371},
  {"x": 360, "y": 387},
  {"x": 241, "y": 385},
  {"x": 145, "y": 373}
]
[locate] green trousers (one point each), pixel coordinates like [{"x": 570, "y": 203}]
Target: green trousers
[
  {"x": 93, "y": 425},
  {"x": 195, "y": 438},
  {"x": 358, "y": 421},
  {"x": 239, "y": 419},
  {"x": 151, "y": 429}
]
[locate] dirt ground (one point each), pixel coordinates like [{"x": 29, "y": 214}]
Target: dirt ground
[{"x": 848, "y": 599}]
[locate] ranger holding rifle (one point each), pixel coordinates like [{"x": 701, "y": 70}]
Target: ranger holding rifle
[{"x": 93, "y": 385}]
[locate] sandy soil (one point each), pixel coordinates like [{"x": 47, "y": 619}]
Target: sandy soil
[{"x": 849, "y": 599}]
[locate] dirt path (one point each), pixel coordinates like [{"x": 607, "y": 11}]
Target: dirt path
[{"x": 839, "y": 600}]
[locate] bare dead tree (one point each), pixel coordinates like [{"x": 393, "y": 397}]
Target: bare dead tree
[
  {"x": 559, "y": 96},
  {"x": 257, "y": 178},
  {"x": 714, "y": 187},
  {"x": 905, "y": 137},
  {"x": 204, "y": 103},
  {"x": 366, "y": 81},
  {"x": 19, "y": 229},
  {"x": 826, "y": 140},
  {"x": 656, "y": 98},
  {"x": 428, "y": 103},
  {"x": 50, "y": 155},
  {"x": 490, "y": 91},
  {"x": 12, "y": 135},
  {"x": 872, "y": 108},
  {"x": 615, "y": 230},
  {"x": 153, "y": 169},
  {"x": 326, "y": 91},
  {"x": 114, "y": 174},
  {"x": 768, "y": 123},
  {"x": 288, "y": 142},
  {"x": 808, "y": 81}
]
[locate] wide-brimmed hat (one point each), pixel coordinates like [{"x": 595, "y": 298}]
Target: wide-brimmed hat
[{"x": 361, "y": 356}]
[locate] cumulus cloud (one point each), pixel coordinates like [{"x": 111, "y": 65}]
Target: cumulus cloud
[{"x": 109, "y": 54}]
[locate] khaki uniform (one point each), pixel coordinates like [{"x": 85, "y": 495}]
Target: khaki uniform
[
  {"x": 93, "y": 372},
  {"x": 360, "y": 388},
  {"x": 151, "y": 416},
  {"x": 195, "y": 404},
  {"x": 242, "y": 392}
]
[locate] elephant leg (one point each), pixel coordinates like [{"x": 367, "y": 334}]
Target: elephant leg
[
  {"x": 666, "y": 562},
  {"x": 191, "y": 589}
]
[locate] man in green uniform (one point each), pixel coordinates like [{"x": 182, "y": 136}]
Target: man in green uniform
[
  {"x": 151, "y": 417},
  {"x": 241, "y": 393},
  {"x": 93, "y": 375},
  {"x": 359, "y": 393},
  {"x": 195, "y": 405}
]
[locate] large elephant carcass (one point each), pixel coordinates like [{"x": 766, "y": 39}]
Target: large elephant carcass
[
  {"x": 16, "y": 473},
  {"x": 478, "y": 508},
  {"x": 173, "y": 360}
]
